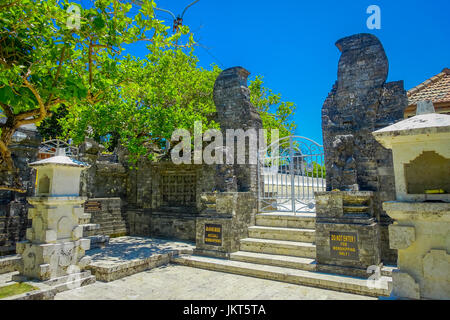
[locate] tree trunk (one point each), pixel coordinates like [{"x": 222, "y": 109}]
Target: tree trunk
[{"x": 7, "y": 163}]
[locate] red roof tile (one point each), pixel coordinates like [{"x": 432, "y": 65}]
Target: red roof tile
[{"x": 436, "y": 89}]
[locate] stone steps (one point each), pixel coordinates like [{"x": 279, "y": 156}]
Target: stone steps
[
  {"x": 277, "y": 233},
  {"x": 286, "y": 221},
  {"x": 281, "y": 247},
  {"x": 106, "y": 221},
  {"x": 301, "y": 277},
  {"x": 275, "y": 260},
  {"x": 111, "y": 224}
]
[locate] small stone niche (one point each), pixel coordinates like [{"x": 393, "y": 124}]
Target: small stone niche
[
  {"x": 44, "y": 185},
  {"x": 428, "y": 174}
]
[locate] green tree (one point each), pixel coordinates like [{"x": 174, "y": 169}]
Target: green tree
[
  {"x": 275, "y": 113},
  {"x": 51, "y": 56},
  {"x": 170, "y": 91}
]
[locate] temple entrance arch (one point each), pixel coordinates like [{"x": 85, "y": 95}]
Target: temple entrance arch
[{"x": 290, "y": 170}]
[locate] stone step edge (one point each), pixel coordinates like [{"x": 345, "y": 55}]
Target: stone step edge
[
  {"x": 294, "y": 276},
  {"x": 281, "y": 243},
  {"x": 285, "y": 216},
  {"x": 274, "y": 260},
  {"x": 282, "y": 229}
]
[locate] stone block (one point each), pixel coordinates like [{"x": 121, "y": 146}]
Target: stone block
[
  {"x": 401, "y": 237},
  {"x": 29, "y": 234},
  {"x": 224, "y": 204},
  {"x": 404, "y": 285},
  {"x": 84, "y": 262},
  {"x": 77, "y": 233},
  {"x": 85, "y": 244},
  {"x": 50, "y": 236},
  {"x": 436, "y": 272}
]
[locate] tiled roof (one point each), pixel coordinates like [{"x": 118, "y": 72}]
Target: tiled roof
[{"x": 436, "y": 89}]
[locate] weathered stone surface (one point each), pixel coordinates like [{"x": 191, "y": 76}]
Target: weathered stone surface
[
  {"x": 404, "y": 285},
  {"x": 427, "y": 259},
  {"x": 401, "y": 237},
  {"x": 9, "y": 263},
  {"x": 424, "y": 107},
  {"x": 111, "y": 218},
  {"x": 361, "y": 102},
  {"x": 436, "y": 273}
]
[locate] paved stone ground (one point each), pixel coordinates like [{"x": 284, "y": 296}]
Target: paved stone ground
[
  {"x": 127, "y": 248},
  {"x": 178, "y": 282}
]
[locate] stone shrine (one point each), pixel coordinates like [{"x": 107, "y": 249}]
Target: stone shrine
[
  {"x": 54, "y": 248},
  {"x": 421, "y": 211}
]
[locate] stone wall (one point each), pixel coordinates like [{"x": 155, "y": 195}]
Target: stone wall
[
  {"x": 107, "y": 176},
  {"x": 13, "y": 205},
  {"x": 361, "y": 102},
  {"x": 110, "y": 216},
  {"x": 165, "y": 198}
]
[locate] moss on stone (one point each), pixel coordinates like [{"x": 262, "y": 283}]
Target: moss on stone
[{"x": 15, "y": 289}]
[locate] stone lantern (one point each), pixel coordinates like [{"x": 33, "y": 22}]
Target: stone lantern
[
  {"x": 54, "y": 247},
  {"x": 421, "y": 231}
]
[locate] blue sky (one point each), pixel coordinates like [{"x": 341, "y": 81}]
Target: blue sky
[{"x": 291, "y": 43}]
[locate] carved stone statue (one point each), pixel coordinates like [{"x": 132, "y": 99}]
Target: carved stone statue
[{"x": 343, "y": 168}]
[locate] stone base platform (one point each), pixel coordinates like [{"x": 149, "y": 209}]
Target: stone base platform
[
  {"x": 9, "y": 263},
  {"x": 46, "y": 289},
  {"x": 333, "y": 282},
  {"x": 125, "y": 256}
]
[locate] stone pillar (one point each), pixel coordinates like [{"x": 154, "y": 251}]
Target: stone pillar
[
  {"x": 421, "y": 231},
  {"x": 223, "y": 222},
  {"x": 227, "y": 212},
  {"x": 235, "y": 111},
  {"x": 54, "y": 247},
  {"x": 347, "y": 233},
  {"x": 360, "y": 102}
]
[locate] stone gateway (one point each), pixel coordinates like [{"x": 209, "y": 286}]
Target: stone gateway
[{"x": 361, "y": 102}]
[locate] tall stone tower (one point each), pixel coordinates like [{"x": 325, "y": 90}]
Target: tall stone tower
[
  {"x": 362, "y": 102},
  {"x": 235, "y": 111}
]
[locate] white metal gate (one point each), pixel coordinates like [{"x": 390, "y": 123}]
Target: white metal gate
[{"x": 290, "y": 170}]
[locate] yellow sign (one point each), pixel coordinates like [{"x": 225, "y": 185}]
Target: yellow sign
[
  {"x": 344, "y": 245},
  {"x": 213, "y": 234}
]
